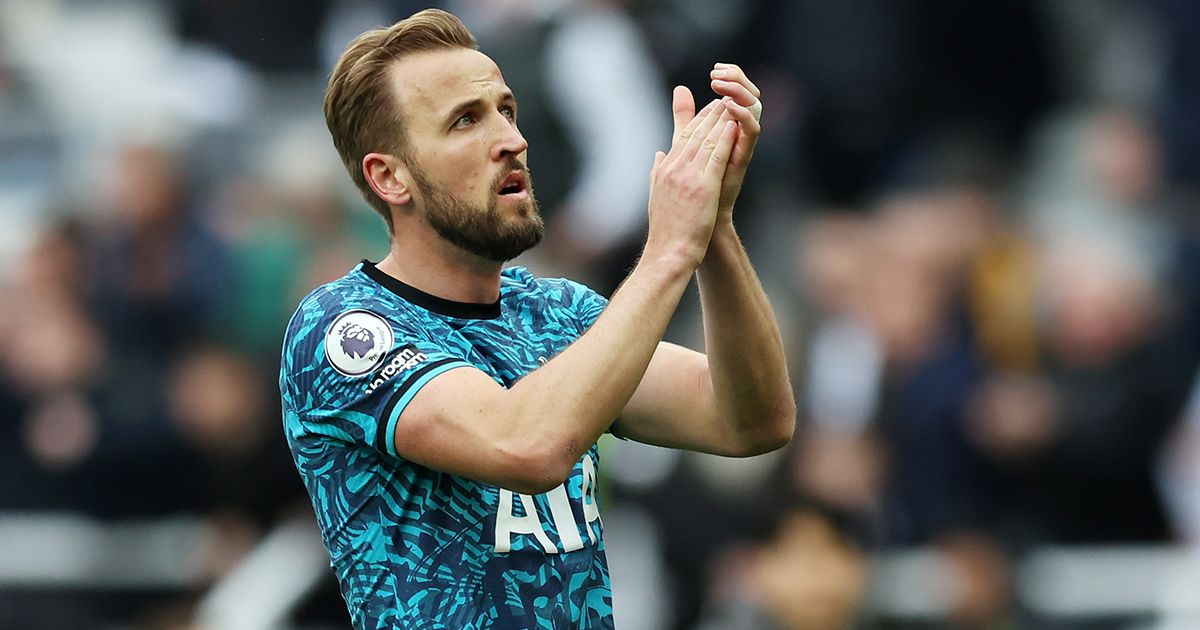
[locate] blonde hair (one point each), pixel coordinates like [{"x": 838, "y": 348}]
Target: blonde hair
[{"x": 360, "y": 110}]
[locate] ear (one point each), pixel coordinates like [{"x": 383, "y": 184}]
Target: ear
[{"x": 388, "y": 176}]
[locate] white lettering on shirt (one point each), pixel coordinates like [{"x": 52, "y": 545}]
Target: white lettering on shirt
[{"x": 565, "y": 527}]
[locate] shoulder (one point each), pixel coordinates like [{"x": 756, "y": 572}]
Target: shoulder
[
  {"x": 563, "y": 297},
  {"x": 521, "y": 279},
  {"x": 346, "y": 330},
  {"x": 324, "y": 303},
  {"x": 355, "y": 312},
  {"x": 517, "y": 278},
  {"x": 354, "y": 292}
]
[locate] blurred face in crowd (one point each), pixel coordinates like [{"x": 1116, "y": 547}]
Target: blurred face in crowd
[
  {"x": 465, "y": 155},
  {"x": 1123, "y": 156},
  {"x": 808, "y": 576},
  {"x": 147, "y": 189},
  {"x": 1099, "y": 298}
]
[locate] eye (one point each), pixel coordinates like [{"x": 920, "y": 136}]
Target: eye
[
  {"x": 509, "y": 112},
  {"x": 466, "y": 120}
]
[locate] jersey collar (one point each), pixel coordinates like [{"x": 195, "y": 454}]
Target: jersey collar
[{"x": 450, "y": 308}]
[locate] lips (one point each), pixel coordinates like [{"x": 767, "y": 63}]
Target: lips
[{"x": 513, "y": 184}]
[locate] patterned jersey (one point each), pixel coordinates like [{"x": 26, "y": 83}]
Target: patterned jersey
[{"x": 411, "y": 546}]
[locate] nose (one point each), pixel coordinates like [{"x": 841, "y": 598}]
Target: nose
[{"x": 510, "y": 143}]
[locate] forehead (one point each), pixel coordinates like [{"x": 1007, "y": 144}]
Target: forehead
[{"x": 430, "y": 84}]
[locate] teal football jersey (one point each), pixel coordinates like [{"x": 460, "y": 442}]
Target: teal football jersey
[{"x": 414, "y": 547}]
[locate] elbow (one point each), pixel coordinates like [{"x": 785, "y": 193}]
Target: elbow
[
  {"x": 772, "y": 433},
  {"x": 783, "y": 428},
  {"x": 782, "y": 424},
  {"x": 534, "y": 470},
  {"x": 535, "y": 484}
]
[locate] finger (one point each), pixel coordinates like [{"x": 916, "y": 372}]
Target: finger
[
  {"x": 718, "y": 160},
  {"x": 734, "y": 73},
  {"x": 734, "y": 90},
  {"x": 702, "y": 129},
  {"x": 659, "y": 156},
  {"x": 747, "y": 138},
  {"x": 682, "y": 137},
  {"x": 683, "y": 107},
  {"x": 709, "y": 144},
  {"x": 745, "y": 118}
]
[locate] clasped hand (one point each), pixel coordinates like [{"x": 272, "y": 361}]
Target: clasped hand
[{"x": 695, "y": 184}]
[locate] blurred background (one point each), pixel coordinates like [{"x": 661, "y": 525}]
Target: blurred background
[{"x": 977, "y": 222}]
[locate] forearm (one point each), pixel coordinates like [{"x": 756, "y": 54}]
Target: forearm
[
  {"x": 528, "y": 437},
  {"x": 573, "y": 399},
  {"x": 598, "y": 375},
  {"x": 747, "y": 365}
]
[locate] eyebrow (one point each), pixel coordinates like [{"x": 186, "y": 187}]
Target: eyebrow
[{"x": 505, "y": 97}]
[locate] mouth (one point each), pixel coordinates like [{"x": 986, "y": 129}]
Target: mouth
[{"x": 513, "y": 185}]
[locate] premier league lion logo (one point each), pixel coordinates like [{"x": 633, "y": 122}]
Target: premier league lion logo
[{"x": 357, "y": 341}]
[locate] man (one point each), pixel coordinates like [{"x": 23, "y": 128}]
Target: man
[{"x": 444, "y": 412}]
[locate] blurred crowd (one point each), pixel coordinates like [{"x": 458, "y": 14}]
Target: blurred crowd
[{"x": 978, "y": 223}]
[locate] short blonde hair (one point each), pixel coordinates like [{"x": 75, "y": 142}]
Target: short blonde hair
[{"x": 360, "y": 110}]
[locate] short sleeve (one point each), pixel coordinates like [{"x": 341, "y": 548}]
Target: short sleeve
[{"x": 351, "y": 372}]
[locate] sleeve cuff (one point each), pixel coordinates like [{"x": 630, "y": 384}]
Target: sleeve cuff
[{"x": 403, "y": 395}]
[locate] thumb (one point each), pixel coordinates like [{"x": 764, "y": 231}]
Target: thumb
[{"x": 683, "y": 108}]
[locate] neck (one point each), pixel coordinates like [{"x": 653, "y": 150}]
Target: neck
[{"x": 421, "y": 259}]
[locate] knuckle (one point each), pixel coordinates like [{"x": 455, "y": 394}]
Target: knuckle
[
  {"x": 686, "y": 185},
  {"x": 674, "y": 177}
]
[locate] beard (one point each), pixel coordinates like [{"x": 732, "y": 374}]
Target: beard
[{"x": 478, "y": 228}]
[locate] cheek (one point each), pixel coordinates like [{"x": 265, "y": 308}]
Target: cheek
[
  {"x": 461, "y": 169},
  {"x": 476, "y": 181}
]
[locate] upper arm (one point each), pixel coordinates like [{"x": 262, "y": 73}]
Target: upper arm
[
  {"x": 427, "y": 405},
  {"x": 390, "y": 385},
  {"x": 674, "y": 405},
  {"x": 462, "y": 423}
]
